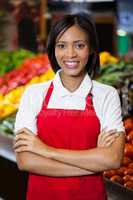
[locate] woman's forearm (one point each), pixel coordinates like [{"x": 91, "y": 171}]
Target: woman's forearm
[
  {"x": 97, "y": 159},
  {"x": 33, "y": 163}
]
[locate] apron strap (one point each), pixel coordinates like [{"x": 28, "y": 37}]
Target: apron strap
[
  {"x": 89, "y": 100},
  {"x": 48, "y": 95}
]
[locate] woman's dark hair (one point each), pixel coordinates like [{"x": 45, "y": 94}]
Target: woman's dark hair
[{"x": 85, "y": 22}]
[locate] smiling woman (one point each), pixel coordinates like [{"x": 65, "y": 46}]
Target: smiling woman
[{"x": 69, "y": 130}]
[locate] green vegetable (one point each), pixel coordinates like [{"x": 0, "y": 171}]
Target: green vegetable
[
  {"x": 7, "y": 125},
  {"x": 111, "y": 74}
]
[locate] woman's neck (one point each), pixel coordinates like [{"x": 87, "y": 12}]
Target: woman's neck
[{"x": 71, "y": 83}]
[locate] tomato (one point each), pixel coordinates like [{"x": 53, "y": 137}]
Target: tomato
[
  {"x": 3, "y": 89},
  {"x": 117, "y": 178},
  {"x": 130, "y": 165},
  {"x": 129, "y": 137},
  {"x": 120, "y": 171},
  {"x": 109, "y": 173},
  {"x": 128, "y": 150},
  {"x": 129, "y": 184},
  {"x": 128, "y": 171},
  {"x": 1, "y": 81},
  {"x": 128, "y": 123},
  {"x": 126, "y": 160},
  {"x": 127, "y": 178}
]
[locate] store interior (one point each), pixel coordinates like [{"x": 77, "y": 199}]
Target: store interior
[{"x": 24, "y": 29}]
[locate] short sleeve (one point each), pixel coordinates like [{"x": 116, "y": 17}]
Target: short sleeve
[
  {"x": 112, "y": 115},
  {"x": 26, "y": 116}
]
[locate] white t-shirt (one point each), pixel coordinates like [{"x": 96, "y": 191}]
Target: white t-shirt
[{"x": 105, "y": 100}]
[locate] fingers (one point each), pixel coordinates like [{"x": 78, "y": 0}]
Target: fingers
[
  {"x": 21, "y": 149},
  {"x": 108, "y": 132},
  {"x": 20, "y": 143},
  {"x": 23, "y": 139},
  {"x": 109, "y": 142},
  {"x": 20, "y": 136},
  {"x": 109, "y": 139},
  {"x": 106, "y": 138},
  {"x": 24, "y": 130},
  {"x": 24, "y": 133},
  {"x": 104, "y": 134}
]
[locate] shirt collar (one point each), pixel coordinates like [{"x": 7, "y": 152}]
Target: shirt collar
[{"x": 82, "y": 91}]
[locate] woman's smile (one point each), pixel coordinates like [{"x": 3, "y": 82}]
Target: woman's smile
[{"x": 71, "y": 64}]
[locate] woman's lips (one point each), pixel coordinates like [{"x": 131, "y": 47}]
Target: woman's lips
[{"x": 71, "y": 64}]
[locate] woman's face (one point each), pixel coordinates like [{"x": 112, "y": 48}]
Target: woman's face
[{"x": 72, "y": 51}]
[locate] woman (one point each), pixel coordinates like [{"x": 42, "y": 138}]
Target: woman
[{"x": 69, "y": 130}]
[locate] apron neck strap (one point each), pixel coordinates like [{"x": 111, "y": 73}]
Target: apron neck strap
[
  {"x": 89, "y": 99},
  {"x": 48, "y": 95}
]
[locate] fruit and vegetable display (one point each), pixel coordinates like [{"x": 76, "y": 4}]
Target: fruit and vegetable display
[
  {"x": 13, "y": 59},
  {"x": 124, "y": 175},
  {"x": 118, "y": 72},
  {"x": 113, "y": 70},
  {"x": 32, "y": 70}
]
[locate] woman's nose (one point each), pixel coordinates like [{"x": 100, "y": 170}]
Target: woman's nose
[{"x": 71, "y": 52}]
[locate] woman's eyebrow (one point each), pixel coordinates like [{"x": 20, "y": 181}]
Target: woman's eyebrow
[
  {"x": 75, "y": 41},
  {"x": 80, "y": 41}
]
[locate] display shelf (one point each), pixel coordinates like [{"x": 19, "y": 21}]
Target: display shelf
[
  {"x": 6, "y": 147},
  {"x": 117, "y": 192}
]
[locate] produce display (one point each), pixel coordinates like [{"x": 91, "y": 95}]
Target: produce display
[
  {"x": 118, "y": 72},
  {"x": 124, "y": 175},
  {"x": 12, "y": 59},
  {"x": 114, "y": 70},
  {"x": 32, "y": 70}
]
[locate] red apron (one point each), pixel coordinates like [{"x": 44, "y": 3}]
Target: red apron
[{"x": 67, "y": 129}]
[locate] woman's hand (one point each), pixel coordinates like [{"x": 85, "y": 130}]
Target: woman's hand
[
  {"x": 106, "y": 138},
  {"x": 25, "y": 140}
]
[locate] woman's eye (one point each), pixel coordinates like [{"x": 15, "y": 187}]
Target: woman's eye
[
  {"x": 60, "y": 46},
  {"x": 80, "y": 45}
]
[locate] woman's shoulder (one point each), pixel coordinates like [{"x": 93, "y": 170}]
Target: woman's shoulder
[
  {"x": 37, "y": 89},
  {"x": 103, "y": 89}
]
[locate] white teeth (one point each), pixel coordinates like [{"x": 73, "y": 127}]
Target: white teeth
[
  {"x": 71, "y": 61},
  {"x": 71, "y": 64}
]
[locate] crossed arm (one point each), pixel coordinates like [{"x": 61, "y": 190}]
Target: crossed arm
[{"x": 35, "y": 156}]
